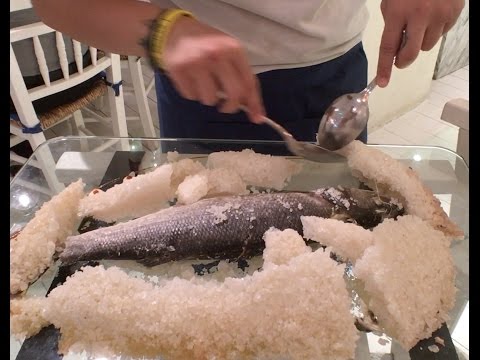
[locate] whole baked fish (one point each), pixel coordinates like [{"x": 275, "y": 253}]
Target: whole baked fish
[{"x": 224, "y": 227}]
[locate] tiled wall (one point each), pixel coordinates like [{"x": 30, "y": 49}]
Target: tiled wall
[{"x": 454, "y": 50}]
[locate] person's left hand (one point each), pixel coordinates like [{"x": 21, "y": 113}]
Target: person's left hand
[{"x": 424, "y": 21}]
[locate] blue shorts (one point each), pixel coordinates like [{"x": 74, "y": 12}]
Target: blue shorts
[{"x": 295, "y": 98}]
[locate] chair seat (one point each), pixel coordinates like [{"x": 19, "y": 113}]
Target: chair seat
[
  {"x": 55, "y": 108},
  {"x": 54, "y": 115}
]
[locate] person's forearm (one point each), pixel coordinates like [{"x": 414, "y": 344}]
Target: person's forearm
[
  {"x": 201, "y": 61},
  {"x": 117, "y": 26}
]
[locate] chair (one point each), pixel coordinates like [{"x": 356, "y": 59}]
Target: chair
[
  {"x": 456, "y": 112},
  {"x": 141, "y": 91},
  {"x": 133, "y": 64},
  {"x": 103, "y": 75},
  {"x": 29, "y": 124}
]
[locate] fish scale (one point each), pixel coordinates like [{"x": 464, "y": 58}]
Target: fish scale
[{"x": 224, "y": 227}]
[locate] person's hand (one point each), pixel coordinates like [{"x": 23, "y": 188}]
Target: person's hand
[
  {"x": 203, "y": 62},
  {"x": 424, "y": 21}
]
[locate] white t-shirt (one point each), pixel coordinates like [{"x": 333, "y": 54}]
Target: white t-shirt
[{"x": 281, "y": 34}]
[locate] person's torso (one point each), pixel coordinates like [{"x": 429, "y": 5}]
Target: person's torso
[{"x": 284, "y": 33}]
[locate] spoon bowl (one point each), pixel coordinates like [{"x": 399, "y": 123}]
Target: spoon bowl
[
  {"x": 345, "y": 119},
  {"x": 306, "y": 150}
]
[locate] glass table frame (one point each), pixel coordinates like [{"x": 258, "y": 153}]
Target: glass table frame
[{"x": 100, "y": 160}]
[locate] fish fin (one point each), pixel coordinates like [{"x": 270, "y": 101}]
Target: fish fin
[
  {"x": 242, "y": 263},
  {"x": 89, "y": 223},
  {"x": 205, "y": 268},
  {"x": 150, "y": 262}
]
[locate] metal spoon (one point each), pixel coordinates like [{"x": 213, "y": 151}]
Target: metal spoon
[
  {"x": 348, "y": 115},
  {"x": 306, "y": 150},
  {"x": 345, "y": 119}
]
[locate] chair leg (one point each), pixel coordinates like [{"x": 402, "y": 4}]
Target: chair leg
[
  {"x": 117, "y": 103},
  {"x": 135, "y": 68},
  {"x": 17, "y": 158},
  {"x": 79, "y": 129},
  {"x": 46, "y": 161},
  {"x": 78, "y": 124},
  {"x": 99, "y": 103},
  {"x": 36, "y": 140}
]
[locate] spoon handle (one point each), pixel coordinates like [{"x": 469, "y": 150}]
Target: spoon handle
[
  {"x": 277, "y": 127},
  {"x": 368, "y": 90},
  {"x": 280, "y": 129}
]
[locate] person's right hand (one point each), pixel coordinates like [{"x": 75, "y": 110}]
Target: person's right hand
[{"x": 203, "y": 62}]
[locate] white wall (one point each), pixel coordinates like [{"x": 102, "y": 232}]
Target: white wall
[
  {"x": 16, "y": 5},
  {"x": 407, "y": 88}
]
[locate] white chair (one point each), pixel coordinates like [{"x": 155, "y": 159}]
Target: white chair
[
  {"x": 133, "y": 64},
  {"x": 141, "y": 92},
  {"x": 139, "y": 89},
  {"x": 27, "y": 124}
]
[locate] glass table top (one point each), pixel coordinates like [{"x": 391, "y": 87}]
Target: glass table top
[{"x": 97, "y": 160}]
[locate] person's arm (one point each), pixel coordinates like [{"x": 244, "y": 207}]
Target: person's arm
[
  {"x": 201, "y": 61},
  {"x": 424, "y": 21},
  {"x": 116, "y": 26}
]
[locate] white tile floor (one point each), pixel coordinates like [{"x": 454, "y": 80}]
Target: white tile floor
[{"x": 422, "y": 125}]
